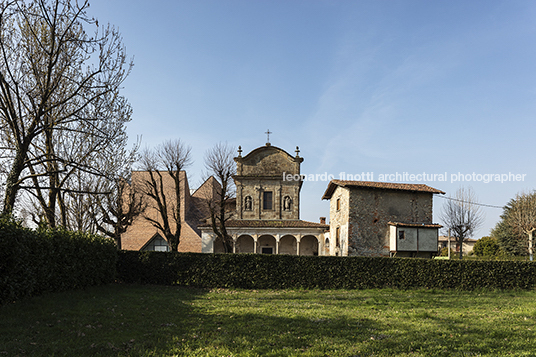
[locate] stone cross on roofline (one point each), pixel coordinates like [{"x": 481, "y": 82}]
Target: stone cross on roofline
[{"x": 268, "y": 132}]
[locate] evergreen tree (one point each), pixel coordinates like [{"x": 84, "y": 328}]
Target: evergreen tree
[{"x": 511, "y": 238}]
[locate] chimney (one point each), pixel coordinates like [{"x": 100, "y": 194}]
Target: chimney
[{"x": 322, "y": 220}]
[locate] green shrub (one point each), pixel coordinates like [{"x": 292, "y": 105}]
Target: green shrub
[
  {"x": 33, "y": 262},
  {"x": 258, "y": 271},
  {"x": 445, "y": 252},
  {"x": 486, "y": 247}
]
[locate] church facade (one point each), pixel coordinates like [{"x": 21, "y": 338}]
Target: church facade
[{"x": 267, "y": 216}]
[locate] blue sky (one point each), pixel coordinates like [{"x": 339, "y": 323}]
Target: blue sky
[{"x": 360, "y": 86}]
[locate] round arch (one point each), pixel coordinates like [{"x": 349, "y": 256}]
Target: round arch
[
  {"x": 266, "y": 244},
  {"x": 288, "y": 245},
  {"x": 309, "y": 245},
  {"x": 245, "y": 244},
  {"x": 218, "y": 246}
]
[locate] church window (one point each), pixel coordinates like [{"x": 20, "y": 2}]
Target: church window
[
  {"x": 267, "y": 200},
  {"x": 338, "y": 204},
  {"x": 338, "y": 237}
]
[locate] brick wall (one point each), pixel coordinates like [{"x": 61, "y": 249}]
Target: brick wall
[{"x": 193, "y": 212}]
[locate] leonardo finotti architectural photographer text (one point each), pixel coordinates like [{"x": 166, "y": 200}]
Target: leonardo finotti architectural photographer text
[{"x": 407, "y": 177}]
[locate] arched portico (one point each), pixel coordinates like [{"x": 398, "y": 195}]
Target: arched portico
[
  {"x": 288, "y": 245},
  {"x": 266, "y": 244},
  {"x": 245, "y": 244},
  {"x": 308, "y": 245},
  {"x": 218, "y": 246},
  {"x": 254, "y": 237}
]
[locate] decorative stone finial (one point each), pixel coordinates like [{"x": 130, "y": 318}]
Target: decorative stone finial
[
  {"x": 239, "y": 151},
  {"x": 297, "y": 151}
]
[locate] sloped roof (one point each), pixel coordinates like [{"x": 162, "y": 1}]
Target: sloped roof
[
  {"x": 207, "y": 188},
  {"x": 283, "y": 223},
  {"x": 333, "y": 184},
  {"x": 424, "y": 225}
]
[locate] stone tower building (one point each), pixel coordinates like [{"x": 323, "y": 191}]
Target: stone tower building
[{"x": 381, "y": 219}]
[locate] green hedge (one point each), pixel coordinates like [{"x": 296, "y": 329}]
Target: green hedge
[
  {"x": 33, "y": 262},
  {"x": 257, "y": 271}
]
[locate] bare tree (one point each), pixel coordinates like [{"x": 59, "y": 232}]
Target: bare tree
[
  {"x": 161, "y": 183},
  {"x": 80, "y": 154},
  {"x": 521, "y": 216},
  {"x": 115, "y": 202},
  {"x": 59, "y": 92},
  {"x": 462, "y": 215},
  {"x": 114, "y": 212},
  {"x": 219, "y": 163}
]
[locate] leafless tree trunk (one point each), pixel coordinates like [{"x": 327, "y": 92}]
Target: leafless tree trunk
[
  {"x": 58, "y": 85},
  {"x": 162, "y": 185},
  {"x": 462, "y": 215},
  {"x": 219, "y": 163},
  {"x": 521, "y": 216},
  {"x": 114, "y": 212}
]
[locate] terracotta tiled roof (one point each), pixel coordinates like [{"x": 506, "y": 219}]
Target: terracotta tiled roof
[
  {"x": 425, "y": 225},
  {"x": 259, "y": 223},
  {"x": 378, "y": 185}
]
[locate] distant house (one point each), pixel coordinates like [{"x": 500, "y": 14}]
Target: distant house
[
  {"x": 467, "y": 245},
  {"x": 381, "y": 219}
]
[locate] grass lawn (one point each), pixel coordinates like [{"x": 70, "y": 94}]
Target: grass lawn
[{"x": 135, "y": 320}]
